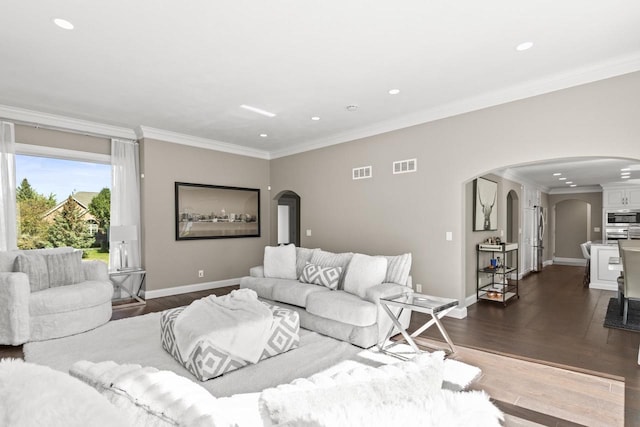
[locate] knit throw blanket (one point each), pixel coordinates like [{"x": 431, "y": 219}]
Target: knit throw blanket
[{"x": 237, "y": 324}]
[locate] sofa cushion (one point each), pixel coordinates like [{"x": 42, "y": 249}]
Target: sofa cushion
[
  {"x": 263, "y": 286},
  {"x": 70, "y": 298},
  {"x": 280, "y": 262},
  {"x": 303, "y": 256},
  {"x": 330, "y": 259},
  {"x": 323, "y": 276},
  {"x": 398, "y": 269},
  {"x": 65, "y": 268},
  {"x": 342, "y": 307},
  {"x": 296, "y": 293},
  {"x": 34, "y": 266},
  {"x": 364, "y": 272}
]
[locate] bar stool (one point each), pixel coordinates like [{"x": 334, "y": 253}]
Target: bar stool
[{"x": 586, "y": 253}]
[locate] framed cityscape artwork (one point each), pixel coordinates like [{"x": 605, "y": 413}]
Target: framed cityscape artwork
[
  {"x": 485, "y": 210},
  {"x": 216, "y": 212}
]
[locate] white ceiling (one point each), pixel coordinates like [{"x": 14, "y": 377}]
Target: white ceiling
[
  {"x": 585, "y": 173},
  {"x": 186, "y": 67}
]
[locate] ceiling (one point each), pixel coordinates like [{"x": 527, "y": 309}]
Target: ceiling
[
  {"x": 186, "y": 67},
  {"x": 585, "y": 174}
]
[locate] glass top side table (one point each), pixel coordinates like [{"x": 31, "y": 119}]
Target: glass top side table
[
  {"x": 436, "y": 307},
  {"x": 136, "y": 290}
]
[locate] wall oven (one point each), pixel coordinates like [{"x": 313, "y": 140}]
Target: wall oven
[
  {"x": 622, "y": 224},
  {"x": 623, "y": 217}
]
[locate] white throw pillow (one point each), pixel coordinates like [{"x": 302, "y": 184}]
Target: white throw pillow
[
  {"x": 364, "y": 272},
  {"x": 280, "y": 262}
]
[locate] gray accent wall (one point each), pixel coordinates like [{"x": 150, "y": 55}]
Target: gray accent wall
[
  {"x": 170, "y": 263},
  {"x": 566, "y": 239},
  {"x": 412, "y": 212}
]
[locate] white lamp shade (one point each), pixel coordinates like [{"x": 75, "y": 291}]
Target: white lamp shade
[{"x": 123, "y": 233}]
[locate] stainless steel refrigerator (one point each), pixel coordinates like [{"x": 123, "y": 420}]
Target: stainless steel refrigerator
[{"x": 538, "y": 237}]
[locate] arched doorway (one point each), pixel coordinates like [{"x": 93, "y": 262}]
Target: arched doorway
[
  {"x": 513, "y": 216},
  {"x": 288, "y": 218},
  {"x": 513, "y": 221},
  {"x": 572, "y": 227}
]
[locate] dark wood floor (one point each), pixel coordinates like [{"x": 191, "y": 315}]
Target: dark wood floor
[{"x": 555, "y": 320}]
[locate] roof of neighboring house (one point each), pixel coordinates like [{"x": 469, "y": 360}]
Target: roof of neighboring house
[{"x": 82, "y": 198}]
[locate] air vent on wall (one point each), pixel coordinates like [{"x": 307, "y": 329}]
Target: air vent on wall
[
  {"x": 363, "y": 172},
  {"x": 405, "y": 166}
]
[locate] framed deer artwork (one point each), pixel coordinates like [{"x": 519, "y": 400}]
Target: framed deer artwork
[{"x": 485, "y": 201}]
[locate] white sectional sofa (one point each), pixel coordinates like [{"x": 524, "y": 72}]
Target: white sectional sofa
[
  {"x": 335, "y": 294},
  {"x": 51, "y": 293}
]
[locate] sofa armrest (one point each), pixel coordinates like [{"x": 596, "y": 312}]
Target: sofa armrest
[
  {"x": 256, "y": 271},
  {"x": 95, "y": 270},
  {"x": 385, "y": 290},
  {"x": 14, "y": 308}
]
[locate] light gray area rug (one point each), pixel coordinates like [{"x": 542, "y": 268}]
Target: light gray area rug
[{"x": 137, "y": 340}]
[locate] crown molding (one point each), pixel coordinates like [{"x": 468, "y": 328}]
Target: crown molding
[
  {"x": 576, "y": 190},
  {"x": 63, "y": 123},
  {"x": 576, "y": 77},
  {"x": 514, "y": 176},
  {"x": 196, "y": 141}
]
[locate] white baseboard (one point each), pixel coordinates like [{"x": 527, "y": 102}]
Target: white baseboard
[
  {"x": 604, "y": 286},
  {"x": 547, "y": 263},
  {"x": 570, "y": 261},
  {"x": 458, "y": 313},
  {"x": 177, "y": 290}
]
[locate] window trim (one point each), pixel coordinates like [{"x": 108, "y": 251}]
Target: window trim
[{"x": 61, "y": 153}]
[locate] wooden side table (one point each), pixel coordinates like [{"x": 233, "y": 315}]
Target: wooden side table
[{"x": 136, "y": 276}]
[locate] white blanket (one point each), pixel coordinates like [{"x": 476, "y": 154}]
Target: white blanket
[{"x": 237, "y": 324}]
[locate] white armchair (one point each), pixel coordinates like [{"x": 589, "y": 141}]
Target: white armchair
[{"x": 51, "y": 293}]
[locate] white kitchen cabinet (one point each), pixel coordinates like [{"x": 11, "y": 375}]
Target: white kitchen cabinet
[
  {"x": 621, "y": 197},
  {"x": 601, "y": 276}
]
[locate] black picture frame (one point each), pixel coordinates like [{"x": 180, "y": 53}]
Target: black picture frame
[
  {"x": 485, "y": 205},
  {"x": 216, "y": 212}
]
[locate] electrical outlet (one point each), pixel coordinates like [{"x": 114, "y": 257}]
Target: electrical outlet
[
  {"x": 418, "y": 288},
  {"x": 200, "y": 273}
]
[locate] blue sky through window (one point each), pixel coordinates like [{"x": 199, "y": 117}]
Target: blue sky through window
[{"x": 62, "y": 177}]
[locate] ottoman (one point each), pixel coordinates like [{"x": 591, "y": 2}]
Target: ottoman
[{"x": 206, "y": 361}]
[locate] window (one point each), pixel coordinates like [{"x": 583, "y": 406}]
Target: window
[{"x": 63, "y": 201}]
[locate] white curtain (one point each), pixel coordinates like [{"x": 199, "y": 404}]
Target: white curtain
[
  {"x": 125, "y": 197},
  {"x": 8, "y": 223}
]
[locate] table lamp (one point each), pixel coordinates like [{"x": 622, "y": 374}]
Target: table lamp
[{"x": 123, "y": 234}]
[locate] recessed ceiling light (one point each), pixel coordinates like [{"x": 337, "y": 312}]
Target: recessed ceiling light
[
  {"x": 573, "y": 185},
  {"x": 394, "y": 91},
  {"x": 562, "y": 178},
  {"x": 524, "y": 46},
  {"x": 626, "y": 177},
  {"x": 264, "y": 135},
  {"x": 63, "y": 23},
  {"x": 351, "y": 107},
  {"x": 625, "y": 169},
  {"x": 557, "y": 174},
  {"x": 258, "y": 110},
  {"x": 569, "y": 182},
  {"x": 315, "y": 118}
]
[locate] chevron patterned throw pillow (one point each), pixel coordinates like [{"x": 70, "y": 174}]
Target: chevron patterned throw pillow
[{"x": 323, "y": 276}]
